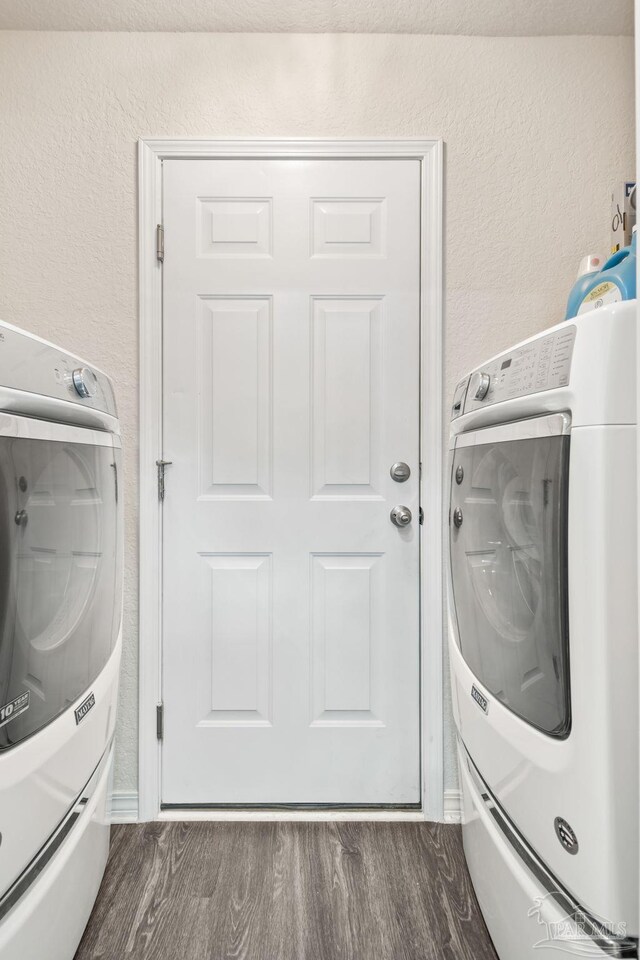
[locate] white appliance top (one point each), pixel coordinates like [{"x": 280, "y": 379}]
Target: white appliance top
[
  {"x": 39, "y": 379},
  {"x": 585, "y": 365}
]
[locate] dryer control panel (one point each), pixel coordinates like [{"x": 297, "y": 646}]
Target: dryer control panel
[
  {"x": 543, "y": 364},
  {"x": 34, "y": 366}
]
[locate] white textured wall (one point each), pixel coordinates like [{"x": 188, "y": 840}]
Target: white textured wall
[{"x": 536, "y": 132}]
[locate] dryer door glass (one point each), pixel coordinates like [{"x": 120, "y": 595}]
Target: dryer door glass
[
  {"x": 508, "y": 546},
  {"x": 59, "y": 574}
]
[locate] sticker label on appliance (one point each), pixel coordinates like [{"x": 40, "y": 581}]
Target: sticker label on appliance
[
  {"x": 87, "y": 704},
  {"x": 606, "y": 292},
  {"x": 482, "y": 701},
  {"x": 12, "y": 710}
]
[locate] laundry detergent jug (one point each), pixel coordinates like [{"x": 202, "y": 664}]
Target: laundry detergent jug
[{"x": 616, "y": 281}]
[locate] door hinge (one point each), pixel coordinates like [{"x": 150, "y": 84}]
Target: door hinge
[
  {"x": 160, "y": 243},
  {"x": 161, "y": 465},
  {"x": 160, "y": 721},
  {"x": 421, "y": 516}
]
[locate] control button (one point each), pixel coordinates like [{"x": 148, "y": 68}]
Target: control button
[
  {"x": 85, "y": 382},
  {"x": 479, "y": 385}
]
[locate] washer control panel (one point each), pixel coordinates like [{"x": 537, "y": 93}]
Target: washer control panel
[
  {"x": 543, "y": 364},
  {"x": 33, "y": 366}
]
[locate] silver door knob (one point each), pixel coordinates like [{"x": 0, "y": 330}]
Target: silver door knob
[
  {"x": 457, "y": 517},
  {"x": 401, "y": 516}
]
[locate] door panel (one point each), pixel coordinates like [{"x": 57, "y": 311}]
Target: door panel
[
  {"x": 291, "y": 385},
  {"x": 345, "y": 637},
  {"x": 234, "y": 415},
  {"x": 346, "y": 374},
  {"x": 240, "y": 639}
]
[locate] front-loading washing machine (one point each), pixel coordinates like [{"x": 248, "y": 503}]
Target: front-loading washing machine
[
  {"x": 60, "y": 625},
  {"x": 543, "y": 637}
]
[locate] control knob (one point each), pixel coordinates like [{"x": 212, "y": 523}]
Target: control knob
[
  {"x": 85, "y": 382},
  {"x": 479, "y": 385}
]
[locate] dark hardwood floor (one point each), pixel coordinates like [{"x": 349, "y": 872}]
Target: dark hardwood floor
[{"x": 286, "y": 891}]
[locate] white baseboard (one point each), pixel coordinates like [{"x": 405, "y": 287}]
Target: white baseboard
[
  {"x": 452, "y": 806},
  {"x": 123, "y": 808}
]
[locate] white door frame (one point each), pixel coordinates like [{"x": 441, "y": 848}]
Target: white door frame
[{"x": 151, "y": 153}]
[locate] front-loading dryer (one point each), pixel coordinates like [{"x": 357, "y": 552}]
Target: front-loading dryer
[
  {"x": 543, "y": 636},
  {"x": 60, "y": 624}
]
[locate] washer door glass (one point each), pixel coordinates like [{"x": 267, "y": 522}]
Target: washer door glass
[
  {"x": 508, "y": 546},
  {"x": 59, "y": 576}
]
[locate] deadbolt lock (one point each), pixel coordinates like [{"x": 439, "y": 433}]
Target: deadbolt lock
[{"x": 400, "y": 472}]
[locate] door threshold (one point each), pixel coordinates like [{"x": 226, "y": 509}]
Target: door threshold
[
  {"x": 290, "y": 806},
  {"x": 291, "y": 812}
]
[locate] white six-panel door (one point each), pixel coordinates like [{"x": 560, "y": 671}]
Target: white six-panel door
[{"x": 291, "y": 385}]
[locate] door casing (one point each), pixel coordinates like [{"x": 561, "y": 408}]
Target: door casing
[{"x": 429, "y": 152}]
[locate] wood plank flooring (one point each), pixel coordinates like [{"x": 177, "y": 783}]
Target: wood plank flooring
[{"x": 286, "y": 891}]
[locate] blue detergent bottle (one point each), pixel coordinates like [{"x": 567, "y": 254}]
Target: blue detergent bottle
[{"x": 616, "y": 281}]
